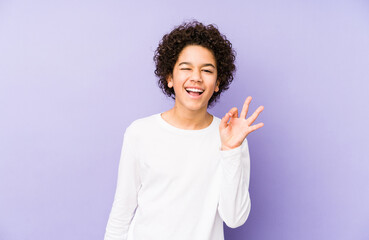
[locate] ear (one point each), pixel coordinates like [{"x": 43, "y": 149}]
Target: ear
[
  {"x": 170, "y": 81},
  {"x": 217, "y": 86}
]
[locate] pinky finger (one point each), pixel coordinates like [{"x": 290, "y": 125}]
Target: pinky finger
[{"x": 256, "y": 126}]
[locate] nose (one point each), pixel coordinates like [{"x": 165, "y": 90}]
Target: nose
[{"x": 196, "y": 75}]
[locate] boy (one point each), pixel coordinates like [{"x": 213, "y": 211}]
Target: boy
[{"x": 183, "y": 172}]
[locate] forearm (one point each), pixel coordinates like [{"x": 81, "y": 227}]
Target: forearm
[
  {"x": 234, "y": 200},
  {"x": 119, "y": 221}
]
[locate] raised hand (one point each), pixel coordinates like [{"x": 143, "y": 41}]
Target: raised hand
[{"x": 233, "y": 133}]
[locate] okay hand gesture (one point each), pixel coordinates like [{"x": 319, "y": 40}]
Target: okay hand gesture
[{"x": 233, "y": 133}]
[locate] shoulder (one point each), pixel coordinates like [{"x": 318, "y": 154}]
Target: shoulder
[
  {"x": 216, "y": 120},
  {"x": 141, "y": 125}
]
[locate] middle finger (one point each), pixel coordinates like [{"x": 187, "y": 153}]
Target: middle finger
[{"x": 245, "y": 107}]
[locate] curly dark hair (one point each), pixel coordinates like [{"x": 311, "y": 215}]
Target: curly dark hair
[{"x": 195, "y": 33}]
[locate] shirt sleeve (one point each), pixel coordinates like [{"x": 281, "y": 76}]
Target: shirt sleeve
[
  {"x": 128, "y": 185},
  {"x": 234, "y": 200}
]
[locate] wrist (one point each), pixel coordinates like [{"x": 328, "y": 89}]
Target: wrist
[{"x": 225, "y": 148}]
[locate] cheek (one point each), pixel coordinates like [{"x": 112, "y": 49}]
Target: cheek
[{"x": 177, "y": 88}]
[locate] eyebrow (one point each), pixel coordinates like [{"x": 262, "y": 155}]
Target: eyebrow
[{"x": 204, "y": 65}]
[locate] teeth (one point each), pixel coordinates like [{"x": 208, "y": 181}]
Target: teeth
[{"x": 194, "y": 90}]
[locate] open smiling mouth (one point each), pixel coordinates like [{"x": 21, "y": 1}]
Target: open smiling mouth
[{"x": 194, "y": 91}]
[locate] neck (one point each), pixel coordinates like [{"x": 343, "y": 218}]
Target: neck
[{"x": 187, "y": 119}]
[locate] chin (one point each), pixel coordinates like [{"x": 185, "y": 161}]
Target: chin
[{"x": 196, "y": 108}]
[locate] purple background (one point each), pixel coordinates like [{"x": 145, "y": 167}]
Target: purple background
[{"x": 73, "y": 75}]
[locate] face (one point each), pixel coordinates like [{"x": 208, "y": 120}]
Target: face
[{"x": 194, "y": 78}]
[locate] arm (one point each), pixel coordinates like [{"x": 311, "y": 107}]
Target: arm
[
  {"x": 234, "y": 200},
  {"x": 128, "y": 184}
]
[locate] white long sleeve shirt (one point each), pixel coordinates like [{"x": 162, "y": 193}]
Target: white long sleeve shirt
[{"x": 177, "y": 184}]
